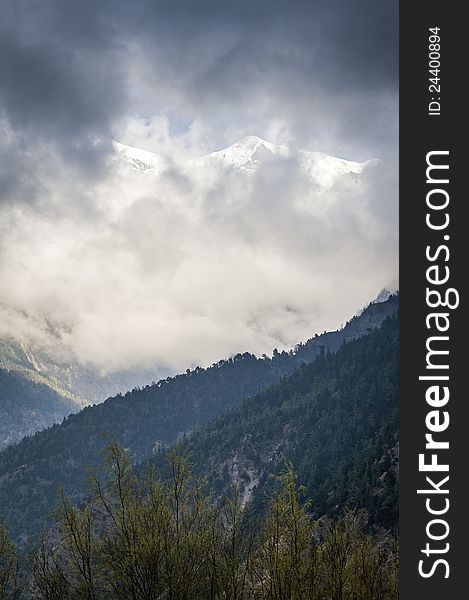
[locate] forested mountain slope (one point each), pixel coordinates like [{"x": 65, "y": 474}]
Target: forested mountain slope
[
  {"x": 335, "y": 419},
  {"x": 143, "y": 421},
  {"x": 27, "y": 406},
  {"x": 83, "y": 384}
]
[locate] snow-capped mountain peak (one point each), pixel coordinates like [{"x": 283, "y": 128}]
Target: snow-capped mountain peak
[
  {"x": 326, "y": 170},
  {"x": 138, "y": 159},
  {"x": 247, "y": 154}
]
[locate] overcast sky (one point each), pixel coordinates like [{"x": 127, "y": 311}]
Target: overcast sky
[{"x": 185, "y": 269}]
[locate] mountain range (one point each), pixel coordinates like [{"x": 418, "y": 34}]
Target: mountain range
[
  {"x": 248, "y": 155},
  {"x": 146, "y": 421},
  {"x": 48, "y": 373},
  {"x": 77, "y": 384}
]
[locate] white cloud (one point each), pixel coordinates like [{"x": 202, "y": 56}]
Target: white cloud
[{"x": 186, "y": 267}]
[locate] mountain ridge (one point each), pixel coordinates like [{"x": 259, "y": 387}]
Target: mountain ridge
[
  {"x": 145, "y": 420},
  {"x": 247, "y": 155},
  {"x": 28, "y": 405},
  {"x": 83, "y": 384},
  {"x": 334, "y": 419}
]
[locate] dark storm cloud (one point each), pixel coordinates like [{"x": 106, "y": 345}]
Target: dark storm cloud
[
  {"x": 60, "y": 91},
  {"x": 306, "y": 62},
  {"x": 350, "y": 43},
  {"x": 64, "y": 64},
  {"x": 52, "y": 82}
]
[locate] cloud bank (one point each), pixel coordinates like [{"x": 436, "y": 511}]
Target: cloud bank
[{"x": 127, "y": 268}]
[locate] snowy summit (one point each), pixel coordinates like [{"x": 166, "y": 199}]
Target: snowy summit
[{"x": 248, "y": 155}]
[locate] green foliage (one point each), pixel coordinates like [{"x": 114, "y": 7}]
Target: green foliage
[
  {"x": 145, "y": 538},
  {"x": 8, "y": 567},
  {"x": 286, "y": 564}
]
